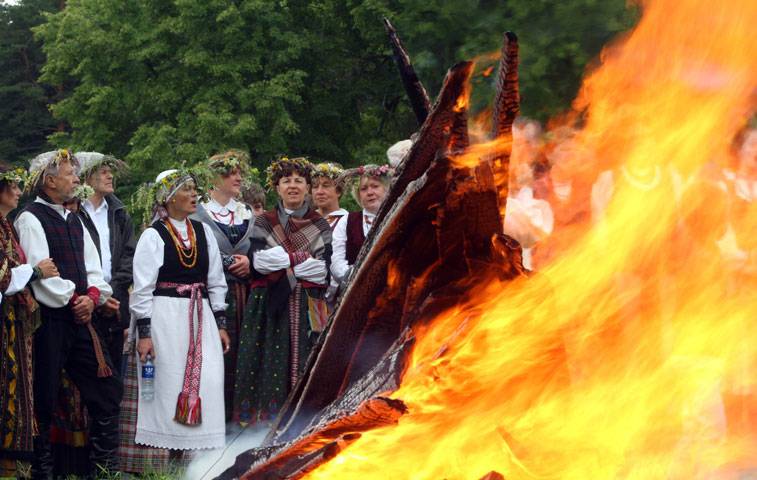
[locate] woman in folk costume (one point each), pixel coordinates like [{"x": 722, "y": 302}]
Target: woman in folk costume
[
  {"x": 290, "y": 255},
  {"x": 178, "y": 306},
  {"x": 371, "y": 182},
  {"x": 231, "y": 222},
  {"x": 20, "y": 314},
  {"x": 327, "y": 191}
]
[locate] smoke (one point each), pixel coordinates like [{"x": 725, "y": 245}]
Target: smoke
[{"x": 210, "y": 463}]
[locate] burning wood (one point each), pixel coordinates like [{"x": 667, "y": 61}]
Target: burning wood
[
  {"x": 413, "y": 86},
  {"x": 506, "y": 108},
  {"x": 439, "y": 227}
]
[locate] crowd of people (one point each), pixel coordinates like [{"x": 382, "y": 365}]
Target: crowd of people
[
  {"x": 224, "y": 298},
  {"x": 221, "y": 297}
]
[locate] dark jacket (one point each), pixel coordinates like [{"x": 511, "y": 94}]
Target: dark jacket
[{"x": 122, "y": 246}]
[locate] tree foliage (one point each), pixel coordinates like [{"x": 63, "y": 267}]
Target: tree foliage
[
  {"x": 159, "y": 82},
  {"x": 24, "y": 116}
]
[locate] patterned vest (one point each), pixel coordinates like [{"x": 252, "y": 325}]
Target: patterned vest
[
  {"x": 65, "y": 241},
  {"x": 355, "y": 236},
  {"x": 172, "y": 271}
]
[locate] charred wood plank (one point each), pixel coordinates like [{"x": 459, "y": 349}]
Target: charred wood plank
[
  {"x": 506, "y": 109},
  {"x": 320, "y": 444},
  {"x": 432, "y": 136},
  {"x": 507, "y": 97},
  {"x": 415, "y": 91}
]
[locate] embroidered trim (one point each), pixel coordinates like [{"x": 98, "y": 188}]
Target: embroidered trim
[
  {"x": 144, "y": 331},
  {"x": 221, "y": 321}
]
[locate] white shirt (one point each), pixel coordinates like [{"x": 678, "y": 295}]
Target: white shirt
[
  {"x": 99, "y": 217},
  {"x": 224, "y": 214},
  {"x": 56, "y": 292},
  {"x": 339, "y": 266},
  {"x": 19, "y": 278},
  {"x": 148, "y": 258}
]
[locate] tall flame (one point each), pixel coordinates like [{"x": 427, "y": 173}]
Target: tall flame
[{"x": 631, "y": 353}]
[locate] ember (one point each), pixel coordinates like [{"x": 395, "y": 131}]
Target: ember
[{"x": 630, "y": 354}]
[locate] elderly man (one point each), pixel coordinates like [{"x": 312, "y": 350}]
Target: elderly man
[
  {"x": 66, "y": 339},
  {"x": 112, "y": 231}
]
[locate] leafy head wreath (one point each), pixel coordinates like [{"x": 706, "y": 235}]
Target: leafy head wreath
[
  {"x": 149, "y": 201},
  {"x": 284, "y": 166},
  {"x": 92, "y": 161},
  {"x": 225, "y": 163},
  {"x": 328, "y": 169},
  {"x": 16, "y": 175},
  {"x": 39, "y": 164},
  {"x": 352, "y": 176},
  {"x": 228, "y": 161}
]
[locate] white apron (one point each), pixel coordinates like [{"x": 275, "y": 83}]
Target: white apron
[{"x": 170, "y": 336}]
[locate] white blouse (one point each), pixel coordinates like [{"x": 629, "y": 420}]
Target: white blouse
[
  {"x": 339, "y": 266},
  {"x": 148, "y": 258},
  {"x": 276, "y": 258},
  {"x": 56, "y": 292},
  {"x": 223, "y": 213}
]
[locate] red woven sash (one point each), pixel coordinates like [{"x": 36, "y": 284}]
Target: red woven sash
[{"x": 189, "y": 406}]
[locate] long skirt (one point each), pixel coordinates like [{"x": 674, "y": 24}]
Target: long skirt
[
  {"x": 170, "y": 337},
  {"x": 133, "y": 458},
  {"x": 235, "y": 313},
  {"x": 17, "y": 424},
  {"x": 273, "y": 349}
]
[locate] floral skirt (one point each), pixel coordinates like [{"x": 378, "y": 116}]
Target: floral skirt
[{"x": 17, "y": 424}]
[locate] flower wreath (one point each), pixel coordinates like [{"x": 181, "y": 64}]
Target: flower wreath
[
  {"x": 83, "y": 192},
  {"x": 226, "y": 162},
  {"x": 352, "y": 176},
  {"x": 276, "y": 169},
  {"x": 327, "y": 169},
  {"x": 152, "y": 196},
  {"x": 42, "y": 162},
  {"x": 370, "y": 170},
  {"x": 17, "y": 175}
]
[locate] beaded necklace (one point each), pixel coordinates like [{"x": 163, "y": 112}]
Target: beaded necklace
[
  {"x": 187, "y": 256},
  {"x": 219, "y": 216}
]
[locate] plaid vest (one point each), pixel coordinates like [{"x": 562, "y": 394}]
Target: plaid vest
[
  {"x": 355, "y": 236},
  {"x": 65, "y": 241}
]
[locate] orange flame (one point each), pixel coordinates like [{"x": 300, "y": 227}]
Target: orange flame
[{"x": 631, "y": 353}]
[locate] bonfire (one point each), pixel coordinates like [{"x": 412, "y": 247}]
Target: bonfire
[{"x": 629, "y": 354}]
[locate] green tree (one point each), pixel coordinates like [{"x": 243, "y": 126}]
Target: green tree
[
  {"x": 25, "y": 119},
  {"x": 160, "y": 82},
  {"x": 557, "y": 40}
]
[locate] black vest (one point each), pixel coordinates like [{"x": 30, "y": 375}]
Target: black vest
[
  {"x": 65, "y": 241},
  {"x": 172, "y": 271}
]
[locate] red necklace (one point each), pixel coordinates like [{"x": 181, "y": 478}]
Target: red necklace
[{"x": 224, "y": 216}]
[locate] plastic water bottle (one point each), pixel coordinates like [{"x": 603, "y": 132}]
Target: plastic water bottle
[{"x": 147, "y": 390}]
